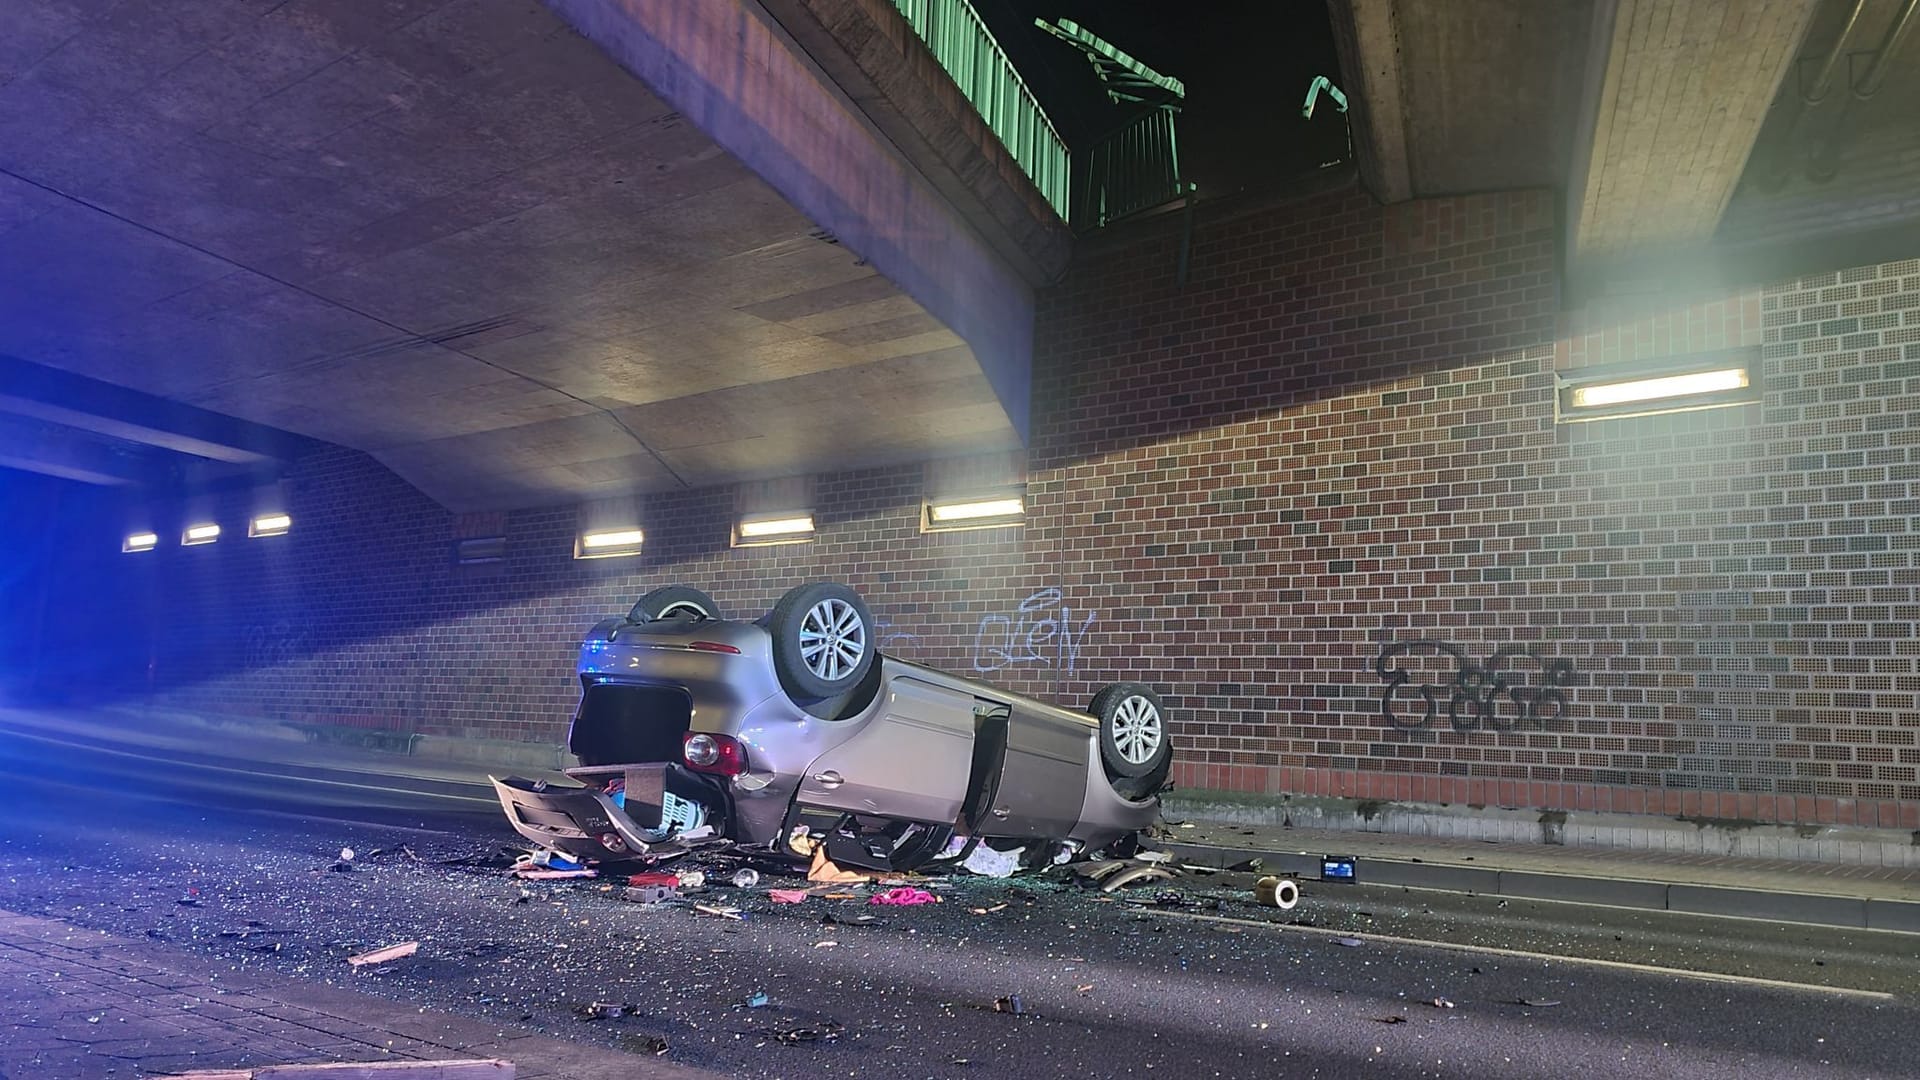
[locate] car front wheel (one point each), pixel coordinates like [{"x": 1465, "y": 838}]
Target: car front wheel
[
  {"x": 823, "y": 642},
  {"x": 1134, "y": 744}
]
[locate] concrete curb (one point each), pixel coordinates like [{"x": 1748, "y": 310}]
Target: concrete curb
[{"x": 1860, "y": 913}]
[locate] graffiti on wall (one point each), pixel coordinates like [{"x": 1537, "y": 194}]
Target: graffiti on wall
[
  {"x": 269, "y": 645},
  {"x": 1041, "y": 631},
  {"x": 1515, "y": 685}
]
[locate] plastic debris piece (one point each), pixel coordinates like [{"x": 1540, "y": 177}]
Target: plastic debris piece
[
  {"x": 1002, "y": 906},
  {"x": 1083, "y": 989},
  {"x": 656, "y": 877},
  {"x": 381, "y": 956},
  {"x": 722, "y": 912},
  {"x": 745, "y": 878},
  {"x": 1010, "y": 1004},
  {"x": 648, "y": 894},
  {"x": 1138, "y": 873},
  {"x": 1349, "y": 942},
  {"x": 757, "y": 1000},
  {"x": 788, "y": 896},
  {"x": 346, "y": 854},
  {"x": 840, "y": 896},
  {"x": 1535, "y": 1003},
  {"x": 1441, "y": 1003},
  {"x": 554, "y": 875},
  {"x": 825, "y": 944},
  {"x": 987, "y": 862},
  {"x": 825, "y": 870},
  {"x": 691, "y": 879},
  {"x": 904, "y": 896}
]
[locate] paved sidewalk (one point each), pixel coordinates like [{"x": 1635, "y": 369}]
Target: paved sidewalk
[{"x": 83, "y": 1004}]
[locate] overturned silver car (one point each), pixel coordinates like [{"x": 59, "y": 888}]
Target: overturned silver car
[{"x": 794, "y": 730}]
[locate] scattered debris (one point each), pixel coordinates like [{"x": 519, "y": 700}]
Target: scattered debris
[
  {"x": 1083, "y": 989},
  {"x": 788, "y": 896},
  {"x": 605, "y": 1010},
  {"x": 1138, "y": 873},
  {"x": 825, "y": 944},
  {"x": 1248, "y": 866},
  {"x": 644, "y": 1044},
  {"x": 1002, "y": 906},
  {"x": 745, "y": 878},
  {"x": 723, "y": 912},
  {"x": 648, "y": 894},
  {"x": 666, "y": 880},
  {"x": 1349, "y": 942},
  {"x": 1277, "y": 892},
  {"x": 554, "y": 875},
  {"x": 826, "y": 871},
  {"x": 988, "y": 862},
  {"x": 905, "y": 896},
  {"x": 1441, "y": 1003},
  {"x": 1534, "y": 1003},
  {"x": 381, "y": 956},
  {"x": 825, "y": 1031},
  {"x": 1010, "y": 1004},
  {"x": 757, "y": 1000}
]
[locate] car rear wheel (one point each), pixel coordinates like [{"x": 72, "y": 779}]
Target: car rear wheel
[
  {"x": 669, "y": 601},
  {"x": 1134, "y": 744},
  {"x": 823, "y": 642}
]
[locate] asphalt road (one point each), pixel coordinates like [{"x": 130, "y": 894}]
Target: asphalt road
[{"x": 1191, "y": 982}]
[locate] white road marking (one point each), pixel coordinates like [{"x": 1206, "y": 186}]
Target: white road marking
[{"x": 1494, "y": 950}]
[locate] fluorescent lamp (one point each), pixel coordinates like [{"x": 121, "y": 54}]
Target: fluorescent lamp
[
  {"x": 269, "y": 525},
  {"x": 1601, "y": 395},
  {"x": 608, "y": 543},
  {"x": 973, "y": 511},
  {"x": 140, "y": 542},
  {"x": 762, "y": 529},
  {"x": 619, "y": 538},
  {"x": 777, "y": 526},
  {"x": 200, "y": 534}
]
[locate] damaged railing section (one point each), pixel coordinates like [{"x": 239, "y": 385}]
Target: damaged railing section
[
  {"x": 1132, "y": 169},
  {"x": 957, "y": 37}
]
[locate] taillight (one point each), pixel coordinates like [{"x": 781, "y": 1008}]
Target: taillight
[
  {"x": 713, "y": 646},
  {"x": 721, "y": 755}
]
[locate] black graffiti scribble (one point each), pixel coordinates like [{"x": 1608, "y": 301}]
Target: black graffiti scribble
[{"x": 1533, "y": 691}]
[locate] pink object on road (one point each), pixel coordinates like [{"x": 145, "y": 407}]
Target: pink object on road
[
  {"x": 787, "y": 896},
  {"x": 905, "y": 897}
]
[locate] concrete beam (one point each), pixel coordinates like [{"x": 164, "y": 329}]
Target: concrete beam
[
  {"x": 51, "y": 451},
  {"x": 60, "y": 397},
  {"x": 1366, "y": 34},
  {"x": 726, "y": 67},
  {"x": 876, "y": 59},
  {"x": 1677, "y": 92}
]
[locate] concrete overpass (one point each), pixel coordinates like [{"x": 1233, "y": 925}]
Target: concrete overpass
[
  {"x": 1694, "y": 141},
  {"x": 521, "y": 255}
]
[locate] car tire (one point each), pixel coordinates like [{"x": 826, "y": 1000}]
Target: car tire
[
  {"x": 670, "y": 600},
  {"x": 823, "y": 640},
  {"x": 1135, "y": 746}
]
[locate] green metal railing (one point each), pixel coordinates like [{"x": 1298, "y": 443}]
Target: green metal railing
[
  {"x": 1133, "y": 169},
  {"x": 957, "y": 38}
]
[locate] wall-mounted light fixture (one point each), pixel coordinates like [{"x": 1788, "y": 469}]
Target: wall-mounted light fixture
[
  {"x": 144, "y": 541},
  {"x": 1671, "y": 384},
  {"x": 607, "y": 543},
  {"x": 784, "y": 527},
  {"x": 269, "y": 525},
  {"x": 479, "y": 550},
  {"x": 204, "y": 533},
  {"x": 986, "y": 510}
]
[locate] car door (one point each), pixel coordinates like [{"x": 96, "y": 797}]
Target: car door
[
  {"x": 910, "y": 761},
  {"x": 1044, "y": 782}
]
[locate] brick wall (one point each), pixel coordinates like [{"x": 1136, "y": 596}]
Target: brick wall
[{"x": 1334, "y": 441}]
